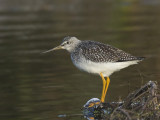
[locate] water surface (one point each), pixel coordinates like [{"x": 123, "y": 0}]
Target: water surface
[{"x": 37, "y": 86}]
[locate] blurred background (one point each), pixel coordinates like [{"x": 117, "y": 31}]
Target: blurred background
[{"x": 35, "y": 86}]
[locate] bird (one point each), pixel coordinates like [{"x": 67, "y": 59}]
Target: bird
[{"x": 97, "y": 58}]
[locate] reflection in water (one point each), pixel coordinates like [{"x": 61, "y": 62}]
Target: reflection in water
[{"x": 36, "y": 86}]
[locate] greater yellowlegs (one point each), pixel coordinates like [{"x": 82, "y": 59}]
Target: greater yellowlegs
[{"x": 97, "y": 58}]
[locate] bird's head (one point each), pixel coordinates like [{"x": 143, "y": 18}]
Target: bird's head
[{"x": 68, "y": 43}]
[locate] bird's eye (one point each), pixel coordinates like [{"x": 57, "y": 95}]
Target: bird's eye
[{"x": 67, "y": 42}]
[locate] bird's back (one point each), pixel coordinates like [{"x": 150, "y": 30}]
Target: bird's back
[{"x": 99, "y": 52}]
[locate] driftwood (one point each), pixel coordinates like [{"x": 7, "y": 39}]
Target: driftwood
[{"x": 142, "y": 104}]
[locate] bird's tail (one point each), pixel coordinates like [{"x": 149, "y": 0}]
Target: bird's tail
[{"x": 140, "y": 58}]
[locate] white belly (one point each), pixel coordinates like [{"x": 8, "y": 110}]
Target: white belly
[{"x": 105, "y": 68}]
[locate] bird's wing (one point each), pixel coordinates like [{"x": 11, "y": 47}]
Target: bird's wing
[{"x": 99, "y": 52}]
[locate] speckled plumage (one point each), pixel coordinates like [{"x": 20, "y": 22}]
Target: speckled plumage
[
  {"x": 95, "y": 57},
  {"x": 99, "y": 52}
]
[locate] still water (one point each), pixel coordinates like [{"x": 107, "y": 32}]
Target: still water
[{"x": 35, "y": 86}]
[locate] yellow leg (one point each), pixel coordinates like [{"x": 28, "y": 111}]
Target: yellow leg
[
  {"x": 104, "y": 83},
  {"x": 105, "y": 87}
]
